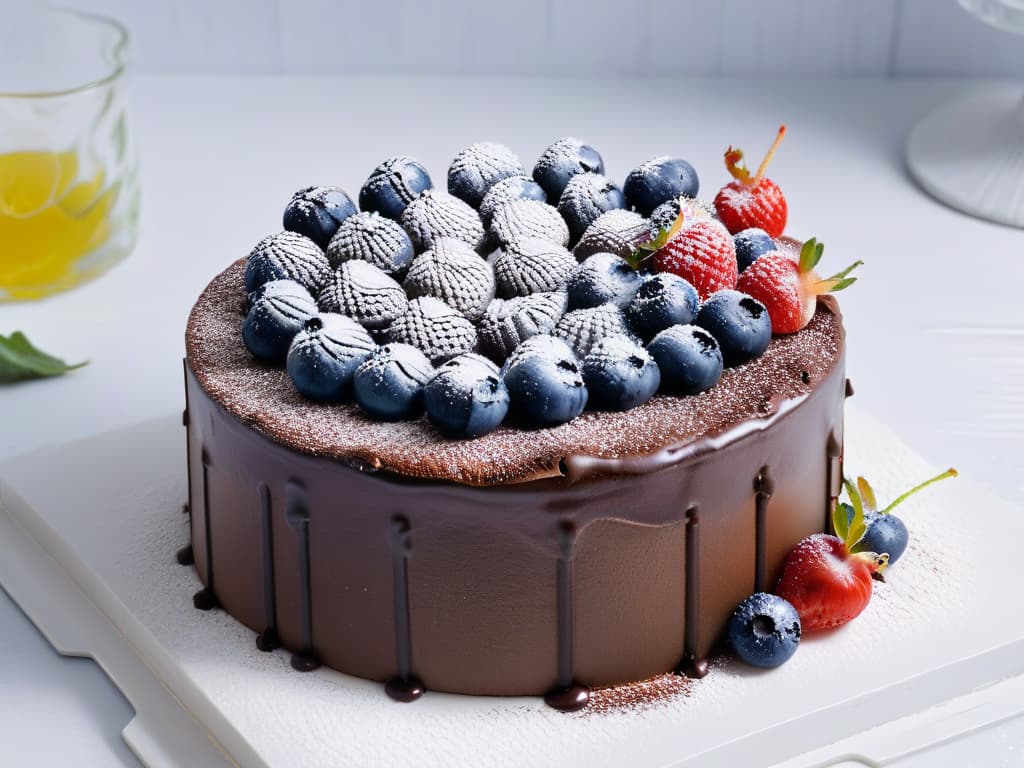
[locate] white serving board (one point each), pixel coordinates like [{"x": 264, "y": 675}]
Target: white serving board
[{"x": 88, "y": 533}]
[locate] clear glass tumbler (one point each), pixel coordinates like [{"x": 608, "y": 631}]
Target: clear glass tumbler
[{"x": 68, "y": 168}]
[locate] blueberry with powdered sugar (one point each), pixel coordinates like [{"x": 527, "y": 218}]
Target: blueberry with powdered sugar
[
  {"x": 505, "y": 191},
  {"x": 619, "y": 374},
  {"x": 317, "y": 212},
  {"x": 658, "y": 180},
  {"x": 581, "y": 329},
  {"x": 278, "y": 312},
  {"x": 688, "y": 357},
  {"x": 364, "y": 293},
  {"x": 388, "y": 385},
  {"x": 522, "y": 219},
  {"x": 661, "y": 301},
  {"x": 564, "y": 159},
  {"x": 479, "y": 167},
  {"x": 751, "y": 244},
  {"x": 434, "y": 328},
  {"x": 286, "y": 256},
  {"x": 586, "y": 197},
  {"x": 324, "y": 356},
  {"x": 466, "y": 397},
  {"x": 434, "y": 215},
  {"x": 532, "y": 266},
  {"x": 545, "y": 384},
  {"x": 454, "y": 273},
  {"x": 510, "y": 322},
  {"x": 604, "y": 278},
  {"x": 392, "y": 185},
  {"x": 618, "y": 231},
  {"x": 373, "y": 238},
  {"x": 739, "y": 323}
]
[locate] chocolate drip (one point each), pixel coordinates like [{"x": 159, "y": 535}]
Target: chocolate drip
[
  {"x": 185, "y": 555},
  {"x": 206, "y": 598},
  {"x": 834, "y": 451},
  {"x": 404, "y": 686},
  {"x": 297, "y": 513},
  {"x": 566, "y": 696},
  {"x": 188, "y": 443},
  {"x": 764, "y": 487},
  {"x": 268, "y": 639},
  {"x": 692, "y": 666},
  {"x": 849, "y": 388}
]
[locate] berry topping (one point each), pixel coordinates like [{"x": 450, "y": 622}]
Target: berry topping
[
  {"x": 388, "y": 385},
  {"x": 602, "y": 279},
  {"x": 702, "y": 253},
  {"x": 764, "y": 630},
  {"x": 585, "y": 198},
  {"x": 661, "y": 301},
  {"x": 788, "y": 288},
  {"x": 561, "y": 161},
  {"x": 452, "y": 272},
  {"x": 317, "y": 212},
  {"x": 532, "y": 266},
  {"x": 751, "y": 244},
  {"x": 392, "y": 186},
  {"x": 826, "y": 580},
  {"x": 479, "y": 167},
  {"x": 286, "y": 256},
  {"x": 507, "y": 190},
  {"x": 544, "y": 382},
  {"x": 434, "y": 215},
  {"x": 752, "y": 201},
  {"x": 618, "y": 231},
  {"x": 739, "y": 323},
  {"x": 372, "y": 238},
  {"x": 434, "y": 328},
  {"x": 521, "y": 219},
  {"x": 659, "y": 180},
  {"x": 324, "y": 355},
  {"x": 581, "y": 329},
  {"x": 466, "y": 398},
  {"x": 689, "y": 359},
  {"x": 278, "y": 313},
  {"x": 665, "y": 215},
  {"x": 619, "y": 374},
  {"x": 364, "y": 293},
  {"x": 509, "y": 322}
]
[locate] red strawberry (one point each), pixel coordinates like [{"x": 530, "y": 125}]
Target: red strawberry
[
  {"x": 824, "y": 579},
  {"x": 702, "y": 252},
  {"x": 788, "y": 288},
  {"x": 752, "y": 202}
]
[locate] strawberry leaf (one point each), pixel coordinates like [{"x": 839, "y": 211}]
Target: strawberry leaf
[
  {"x": 867, "y": 494},
  {"x": 841, "y": 520},
  {"x": 903, "y": 497},
  {"x": 21, "y": 360},
  {"x": 839, "y": 285},
  {"x": 810, "y": 254},
  {"x": 857, "y": 527}
]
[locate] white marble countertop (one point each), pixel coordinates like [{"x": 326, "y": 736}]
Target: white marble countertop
[{"x": 936, "y": 324}]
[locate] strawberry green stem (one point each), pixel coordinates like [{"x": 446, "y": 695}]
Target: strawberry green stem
[
  {"x": 948, "y": 473},
  {"x": 763, "y": 167}
]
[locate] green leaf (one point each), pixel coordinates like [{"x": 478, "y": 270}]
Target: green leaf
[
  {"x": 20, "y": 360},
  {"x": 841, "y": 520},
  {"x": 846, "y": 282},
  {"x": 867, "y": 493},
  {"x": 857, "y": 527},
  {"x": 810, "y": 254},
  {"x": 903, "y": 497}
]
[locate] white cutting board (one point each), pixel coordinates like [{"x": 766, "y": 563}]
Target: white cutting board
[{"x": 88, "y": 534}]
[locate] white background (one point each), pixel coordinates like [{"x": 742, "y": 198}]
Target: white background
[{"x": 569, "y": 37}]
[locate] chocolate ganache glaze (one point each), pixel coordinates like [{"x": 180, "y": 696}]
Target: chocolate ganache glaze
[{"x": 603, "y": 551}]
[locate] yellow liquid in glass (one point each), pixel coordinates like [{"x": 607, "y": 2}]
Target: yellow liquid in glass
[{"x": 49, "y": 220}]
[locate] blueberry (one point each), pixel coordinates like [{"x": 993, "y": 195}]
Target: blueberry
[
  {"x": 662, "y": 301},
  {"x": 479, "y": 167},
  {"x": 689, "y": 359},
  {"x": 466, "y": 398},
  {"x": 739, "y": 323},
  {"x": 388, "y": 385},
  {"x": 563, "y": 160},
  {"x": 602, "y": 279},
  {"x": 287, "y": 256},
  {"x": 520, "y": 187},
  {"x": 586, "y": 197},
  {"x": 317, "y": 212},
  {"x": 620, "y": 374},
  {"x": 373, "y": 238},
  {"x": 545, "y": 384},
  {"x": 884, "y": 534},
  {"x": 659, "y": 180},
  {"x": 392, "y": 185},
  {"x": 324, "y": 355},
  {"x": 751, "y": 244},
  {"x": 279, "y": 310},
  {"x": 764, "y": 630}
]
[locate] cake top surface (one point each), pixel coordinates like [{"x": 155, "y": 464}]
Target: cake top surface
[{"x": 263, "y": 398}]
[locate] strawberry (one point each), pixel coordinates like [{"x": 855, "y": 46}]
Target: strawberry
[
  {"x": 788, "y": 288},
  {"x": 752, "y": 202},
  {"x": 825, "y": 579}
]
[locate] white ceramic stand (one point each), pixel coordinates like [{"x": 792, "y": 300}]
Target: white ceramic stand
[
  {"x": 88, "y": 533},
  {"x": 970, "y": 155}
]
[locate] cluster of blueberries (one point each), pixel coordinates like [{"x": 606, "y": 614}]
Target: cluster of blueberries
[{"x": 470, "y": 305}]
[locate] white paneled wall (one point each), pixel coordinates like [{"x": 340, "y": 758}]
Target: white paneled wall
[{"x": 743, "y": 37}]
